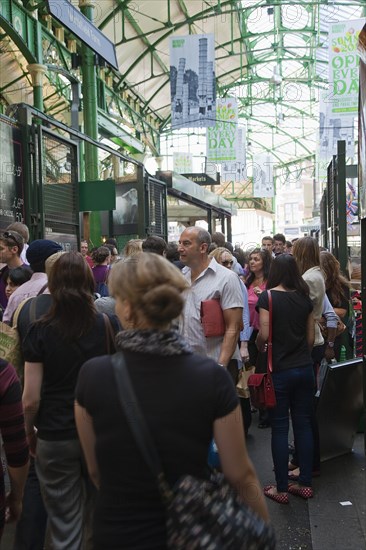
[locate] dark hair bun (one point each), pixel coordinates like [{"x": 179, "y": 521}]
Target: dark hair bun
[{"x": 162, "y": 304}]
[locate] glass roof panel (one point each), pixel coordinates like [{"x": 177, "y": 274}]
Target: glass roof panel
[{"x": 253, "y": 39}]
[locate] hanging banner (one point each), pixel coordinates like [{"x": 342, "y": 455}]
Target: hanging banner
[
  {"x": 263, "y": 176},
  {"x": 334, "y": 128},
  {"x": 182, "y": 162},
  {"x": 222, "y": 138},
  {"x": 362, "y": 127},
  {"x": 236, "y": 171},
  {"x": 192, "y": 81},
  {"x": 351, "y": 203},
  {"x": 344, "y": 66}
]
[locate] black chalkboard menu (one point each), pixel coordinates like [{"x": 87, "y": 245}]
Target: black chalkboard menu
[{"x": 11, "y": 174}]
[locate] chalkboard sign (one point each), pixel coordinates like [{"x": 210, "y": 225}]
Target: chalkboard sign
[{"x": 11, "y": 174}]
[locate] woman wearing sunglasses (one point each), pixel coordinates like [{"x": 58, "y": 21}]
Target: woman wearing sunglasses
[
  {"x": 259, "y": 264},
  {"x": 224, "y": 257}
]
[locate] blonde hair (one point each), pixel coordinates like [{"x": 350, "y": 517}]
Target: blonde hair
[
  {"x": 152, "y": 285},
  {"x": 134, "y": 246},
  {"x": 51, "y": 260},
  {"x": 217, "y": 253}
]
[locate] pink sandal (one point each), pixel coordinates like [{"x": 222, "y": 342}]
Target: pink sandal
[
  {"x": 300, "y": 491},
  {"x": 281, "y": 498}
]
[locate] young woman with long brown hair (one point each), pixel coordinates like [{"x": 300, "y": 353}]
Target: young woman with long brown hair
[
  {"x": 54, "y": 349},
  {"x": 338, "y": 291},
  {"x": 259, "y": 263}
]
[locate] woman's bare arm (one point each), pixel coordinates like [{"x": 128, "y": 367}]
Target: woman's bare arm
[
  {"x": 84, "y": 424},
  {"x": 235, "y": 462}
]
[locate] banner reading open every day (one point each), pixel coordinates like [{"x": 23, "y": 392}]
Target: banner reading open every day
[
  {"x": 344, "y": 66},
  {"x": 222, "y": 138}
]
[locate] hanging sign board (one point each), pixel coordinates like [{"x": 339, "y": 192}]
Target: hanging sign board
[
  {"x": 222, "y": 138},
  {"x": 203, "y": 179},
  {"x": 343, "y": 67},
  {"x": 95, "y": 196},
  {"x": 82, "y": 28}
]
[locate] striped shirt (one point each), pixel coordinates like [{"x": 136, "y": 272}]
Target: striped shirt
[
  {"x": 11, "y": 426},
  {"x": 215, "y": 282}
]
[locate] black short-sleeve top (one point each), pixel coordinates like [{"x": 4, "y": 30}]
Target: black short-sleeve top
[
  {"x": 290, "y": 312},
  {"x": 180, "y": 397},
  {"x": 61, "y": 364}
]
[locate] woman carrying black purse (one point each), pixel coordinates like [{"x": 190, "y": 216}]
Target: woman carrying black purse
[
  {"x": 185, "y": 401},
  {"x": 293, "y": 377}
]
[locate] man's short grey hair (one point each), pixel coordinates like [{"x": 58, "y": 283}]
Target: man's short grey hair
[{"x": 203, "y": 236}]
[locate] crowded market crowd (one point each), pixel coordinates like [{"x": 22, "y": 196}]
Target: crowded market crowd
[{"x": 74, "y": 473}]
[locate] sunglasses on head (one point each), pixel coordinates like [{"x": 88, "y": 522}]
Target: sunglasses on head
[
  {"x": 11, "y": 236},
  {"x": 227, "y": 262}
]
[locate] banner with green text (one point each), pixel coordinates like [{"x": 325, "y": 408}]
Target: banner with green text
[
  {"x": 344, "y": 66},
  {"x": 222, "y": 138}
]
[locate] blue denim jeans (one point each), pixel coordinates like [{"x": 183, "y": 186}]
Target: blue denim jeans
[{"x": 294, "y": 393}]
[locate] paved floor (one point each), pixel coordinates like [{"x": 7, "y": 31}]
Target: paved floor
[{"x": 321, "y": 523}]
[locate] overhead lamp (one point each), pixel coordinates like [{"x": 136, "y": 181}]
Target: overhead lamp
[{"x": 276, "y": 78}]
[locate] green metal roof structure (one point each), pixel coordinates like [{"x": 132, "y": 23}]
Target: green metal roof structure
[
  {"x": 271, "y": 56},
  {"x": 253, "y": 41}
]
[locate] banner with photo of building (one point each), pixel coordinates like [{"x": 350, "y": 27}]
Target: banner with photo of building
[
  {"x": 182, "y": 163},
  {"x": 236, "y": 172},
  {"x": 334, "y": 128},
  {"x": 222, "y": 138},
  {"x": 192, "y": 81},
  {"x": 263, "y": 185},
  {"x": 344, "y": 66}
]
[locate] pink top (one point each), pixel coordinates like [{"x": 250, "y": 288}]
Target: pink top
[{"x": 252, "y": 301}]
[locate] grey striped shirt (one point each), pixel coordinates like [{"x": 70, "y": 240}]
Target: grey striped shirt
[{"x": 215, "y": 282}]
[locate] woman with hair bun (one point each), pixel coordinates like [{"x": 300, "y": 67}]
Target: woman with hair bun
[{"x": 185, "y": 399}]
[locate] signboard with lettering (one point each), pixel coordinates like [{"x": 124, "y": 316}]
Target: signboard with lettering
[
  {"x": 11, "y": 175},
  {"x": 222, "y": 138},
  {"x": 203, "y": 179},
  {"x": 343, "y": 67},
  {"x": 82, "y": 28}
]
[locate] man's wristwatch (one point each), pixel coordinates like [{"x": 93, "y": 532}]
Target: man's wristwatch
[
  {"x": 330, "y": 344},
  {"x": 221, "y": 365}
]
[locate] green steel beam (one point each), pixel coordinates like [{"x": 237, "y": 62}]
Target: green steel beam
[
  {"x": 203, "y": 15},
  {"x": 90, "y": 112},
  {"x": 121, "y": 5},
  {"x": 18, "y": 40}
]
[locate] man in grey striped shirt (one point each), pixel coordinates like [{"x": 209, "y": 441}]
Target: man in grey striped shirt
[{"x": 210, "y": 280}]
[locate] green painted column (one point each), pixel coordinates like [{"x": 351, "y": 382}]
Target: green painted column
[
  {"x": 92, "y": 222},
  {"x": 37, "y": 72}
]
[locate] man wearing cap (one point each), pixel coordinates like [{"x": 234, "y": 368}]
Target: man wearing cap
[
  {"x": 11, "y": 246},
  {"x": 37, "y": 253}
]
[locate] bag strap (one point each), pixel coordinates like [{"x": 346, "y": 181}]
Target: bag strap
[
  {"x": 109, "y": 334},
  {"x": 14, "y": 320},
  {"x": 137, "y": 424},
  {"x": 41, "y": 291},
  {"x": 269, "y": 342}
]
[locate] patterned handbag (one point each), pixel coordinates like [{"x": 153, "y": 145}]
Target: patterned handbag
[
  {"x": 201, "y": 514},
  {"x": 261, "y": 389}
]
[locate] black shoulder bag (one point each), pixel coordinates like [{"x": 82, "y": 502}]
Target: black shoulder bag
[{"x": 201, "y": 514}]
